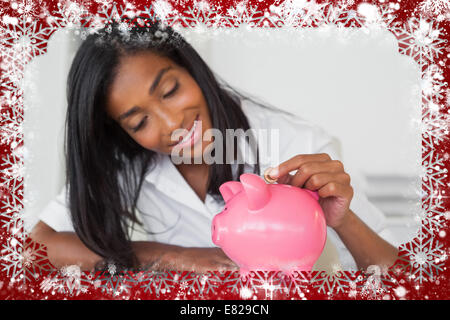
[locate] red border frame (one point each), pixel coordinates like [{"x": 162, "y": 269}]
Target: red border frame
[{"x": 39, "y": 280}]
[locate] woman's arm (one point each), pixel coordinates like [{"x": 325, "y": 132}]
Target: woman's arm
[
  {"x": 366, "y": 247},
  {"x": 65, "y": 248}
]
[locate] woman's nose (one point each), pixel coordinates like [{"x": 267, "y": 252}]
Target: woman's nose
[{"x": 169, "y": 122}]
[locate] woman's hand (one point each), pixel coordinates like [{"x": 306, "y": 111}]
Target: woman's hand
[
  {"x": 201, "y": 260},
  {"x": 318, "y": 172}
]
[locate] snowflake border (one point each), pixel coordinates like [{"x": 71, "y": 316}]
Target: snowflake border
[{"x": 417, "y": 38}]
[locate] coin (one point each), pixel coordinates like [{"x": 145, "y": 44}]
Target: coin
[{"x": 267, "y": 177}]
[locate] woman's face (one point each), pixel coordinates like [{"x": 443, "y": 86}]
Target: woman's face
[{"x": 151, "y": 97}]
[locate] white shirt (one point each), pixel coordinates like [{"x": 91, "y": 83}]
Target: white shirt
[{"x": 171, "y": 209}]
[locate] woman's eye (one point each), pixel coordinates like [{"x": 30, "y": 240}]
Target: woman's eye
[
  {"x": 171, "y": 92},
  {"x": 143, "y": 121},
  {"x": 140, "y": 125}
]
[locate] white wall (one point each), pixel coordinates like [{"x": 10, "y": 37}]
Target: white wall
[{"x": 44, "y": 115}]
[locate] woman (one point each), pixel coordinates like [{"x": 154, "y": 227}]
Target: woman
[{"x": 128, "y": 92}]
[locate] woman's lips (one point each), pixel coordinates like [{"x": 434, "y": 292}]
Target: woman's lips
[{"x": 191, "y": 134}]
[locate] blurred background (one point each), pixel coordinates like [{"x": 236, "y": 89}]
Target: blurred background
[{"x": 352, "y": 83}]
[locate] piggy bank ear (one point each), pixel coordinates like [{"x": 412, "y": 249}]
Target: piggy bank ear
[
  {"x": 229, "y": 189},
  {"x": 256, "y": 189}
]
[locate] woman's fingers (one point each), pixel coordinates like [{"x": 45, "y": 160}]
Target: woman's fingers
[
  {"x": 317, "y": 172},
  {"x": 335, "y": 189},
  {"x": 286, "y": 179},
  {"x": 294, "y": 163},
  {"x": 312, "y": 171}
]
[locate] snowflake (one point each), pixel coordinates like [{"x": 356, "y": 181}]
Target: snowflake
[
  {"x": 333, "y": 282},
  {"x": 376, "y": 282},
  {"x": 12, "y": 259},
  {"x": 11, "y": 202},
  {"x": 433, "y": 188},
  {"x": 424, "y": 257},
  {"x": 183, "y": 287},
  {"x": 28, "y": 258},
  {"x": 234, "y": 282},
  {"x": 245, "y": 293},
  {"x": 26, "y": 8},
  {"x": 268, "y": 281},
  {"x": 11, "y": 219},
  {"x": 432, "y": 82},
  {"x": 115, "y": 284},
  {"x": 195, "y": 283},
  {"x": 400, "y": 292},
  {"x": 112, "y": 268},
  {"x": 437, "y": 9},
  {"x": 10, "y": 97},
  {"x": 68, "y": 280},
  {"x": 70, "y": 14},
  {"x": 201, "y": 19},
  {"x": 433, "y": 170},
  {"x": 303, "y": 13},
  {"x": 163, "y": 9},
  {"x": 294, "y": 282},
  {"x": 148, "y": 14},
  {"x": 23, "y": 41},
  {"x": 158, "y": 282},
  {"x": 382, "y": 16},
  {"x": 420, "y": 39},
  {"x": 23, "y": 38},
  {"x": 108, "y": 14},
  {"x": 22, "y": 259},
  {"x": 14, "y": 169},
  {"x": 243, "y": 14},
  {"x": 338, "y": 15},
  {"x": 104, "y": 3},
  {"x": 433, "y": 217},
  {"x": 434, "y": 124},
  {"x": 202, "y": 6},
  {"x": 11, "y": 129}
]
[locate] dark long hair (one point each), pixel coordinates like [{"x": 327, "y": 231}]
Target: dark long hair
[{"x": 105, "y": 167}]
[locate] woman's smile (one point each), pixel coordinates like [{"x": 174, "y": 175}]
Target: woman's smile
[{"x": 193, "y": 134}]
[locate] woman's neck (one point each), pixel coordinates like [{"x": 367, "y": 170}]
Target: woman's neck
[{"x": 196, "y": 175}]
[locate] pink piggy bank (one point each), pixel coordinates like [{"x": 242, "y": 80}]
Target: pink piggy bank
[{"x": 269, "y": 227}]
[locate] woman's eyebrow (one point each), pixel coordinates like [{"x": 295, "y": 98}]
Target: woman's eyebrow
[
  {"x": 154, "y": 85},
  {"x": 128, "y": 113}
]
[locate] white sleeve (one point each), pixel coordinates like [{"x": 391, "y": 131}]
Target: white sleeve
[
  {"x": 56, "y": 214},
  {"x": 360, "y": 205}
]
